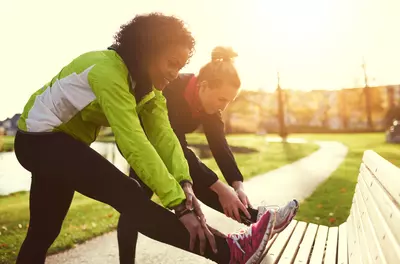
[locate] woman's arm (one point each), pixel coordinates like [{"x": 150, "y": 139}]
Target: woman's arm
[
  {"x": 154, "y": 117},
  {"x": 215, "y": 133},
  {"x": 214, "y": 130},
  {"x": 110, "y": 86}
]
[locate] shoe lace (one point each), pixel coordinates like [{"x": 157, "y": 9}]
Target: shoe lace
[
  {"x": 240, "y": 236},
  {"x": 262, "y": 209}
]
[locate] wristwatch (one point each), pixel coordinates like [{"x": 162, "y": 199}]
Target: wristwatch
[
  {"x": 182, "y": 183},
  {"x": 181, "y": 210}
]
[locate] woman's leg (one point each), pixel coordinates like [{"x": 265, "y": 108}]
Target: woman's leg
[
  {"x": 76, "y": 165},
  {"x": 127, "y": 238},
  {"x": 49, "y": 203},
  {"x": 204, "y": 194},
  {"x": 127, "y": 234}
]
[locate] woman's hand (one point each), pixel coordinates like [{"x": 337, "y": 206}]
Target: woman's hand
[
  {"x": 195, "y": 221},
  {"x": 195, "y": 229},
  {"x": 230, "y": 201},
  {"x": 192, "y": 203},
  {"x": 239, "y": 189}
]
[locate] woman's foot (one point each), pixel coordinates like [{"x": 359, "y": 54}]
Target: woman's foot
[
  {"x": 284, "y": 215},
  {"x": 248, "y": 246}
]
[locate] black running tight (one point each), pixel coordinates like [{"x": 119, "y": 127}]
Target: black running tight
[
  {"x": 61, "y": 165},
  {"x": 128, "y": 235}
]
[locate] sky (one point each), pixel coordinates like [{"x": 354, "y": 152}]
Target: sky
[{"x": 314, "y": 44}]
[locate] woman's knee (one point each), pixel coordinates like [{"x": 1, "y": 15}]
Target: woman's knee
[{"x": 130, "y": 197}]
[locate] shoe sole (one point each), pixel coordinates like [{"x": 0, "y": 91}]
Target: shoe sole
[
  {"x": 288, "y": 219},
  {"x": 256, "y": 257}
]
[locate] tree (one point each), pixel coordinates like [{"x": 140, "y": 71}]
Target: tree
[
  {"x": 343, "y": 108},
  {"x": 281, "y": 114},
  {"x": 367, "y": 95},
  {"x": 354, "y": 104}
]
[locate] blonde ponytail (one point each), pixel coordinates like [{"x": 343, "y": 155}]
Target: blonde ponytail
[
  {"x": 220, "y": 69},
  {"x": 223, "y": 54}
]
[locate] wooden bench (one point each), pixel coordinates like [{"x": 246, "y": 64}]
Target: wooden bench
[{"x": 371, "y": 233}]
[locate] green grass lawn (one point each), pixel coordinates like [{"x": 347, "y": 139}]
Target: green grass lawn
[
  {"x": 88, "y": 218},
  {"x": 6, "y": 143},
  {"x": 331, "y": 201}
]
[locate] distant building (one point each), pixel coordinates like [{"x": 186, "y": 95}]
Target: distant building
[
  {"x": 10, "y": 125},
  {"x": 393, "y": 95}
]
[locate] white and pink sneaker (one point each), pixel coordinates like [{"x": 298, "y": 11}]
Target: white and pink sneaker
[
  {"x": 248, "y": 246},
  {"x": 284, "y": 215}
]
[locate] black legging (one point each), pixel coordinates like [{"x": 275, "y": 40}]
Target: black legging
[
  {"x": 128, "y": 235},
  {"x": 61, "y": 165}
]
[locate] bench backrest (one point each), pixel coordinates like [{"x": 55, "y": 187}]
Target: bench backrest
[{"x": 373, "y": 226}]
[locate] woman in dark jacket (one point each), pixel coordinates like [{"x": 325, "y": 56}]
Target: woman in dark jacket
[{"x": 199, "y": 100}]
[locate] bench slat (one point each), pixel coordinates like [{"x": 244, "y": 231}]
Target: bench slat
[
  {"x": 342, "y": 247},
  {"x": 319, "y": 245},
  {"x": 374, "y": 248},
  {"x": 387, "y": 173},
  {"x": 387, "y": 207},
  {"x": 269, "y": 245},
  {"x": 350, "y": 237},
  {"x": 331, "y": 246},
  {"x": 294, "y": 243},
  {"x": 279, "y": 245},
  {"x": 354, "y": 253},
  {"x": 305, "y": 247},
  {"x": 387, "y": 242},
  {"x": 362, "y": 237}
]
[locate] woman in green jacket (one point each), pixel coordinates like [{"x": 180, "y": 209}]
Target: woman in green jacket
[{"x": 120, "y": 88}]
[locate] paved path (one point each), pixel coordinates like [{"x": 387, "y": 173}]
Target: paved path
[{"x": 297, "y": 180}]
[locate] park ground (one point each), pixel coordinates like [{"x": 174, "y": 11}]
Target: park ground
[{"x": 329, "y": 204}]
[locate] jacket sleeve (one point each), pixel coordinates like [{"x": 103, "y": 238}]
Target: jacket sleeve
[
  {"x": 154, "y": 117},
  {"x": 112, "y": 91},
  {"x": 214, "y": 130},
  {"x": 200, "y": 173}
]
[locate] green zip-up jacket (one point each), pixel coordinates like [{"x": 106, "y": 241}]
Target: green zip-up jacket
[{"x": 94, "y": 90}]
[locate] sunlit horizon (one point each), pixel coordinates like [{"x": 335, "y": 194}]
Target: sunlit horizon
[{"x": 314, "y": 44}]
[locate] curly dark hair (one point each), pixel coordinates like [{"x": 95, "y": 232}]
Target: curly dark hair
[{"x": 144, "y": 37}]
